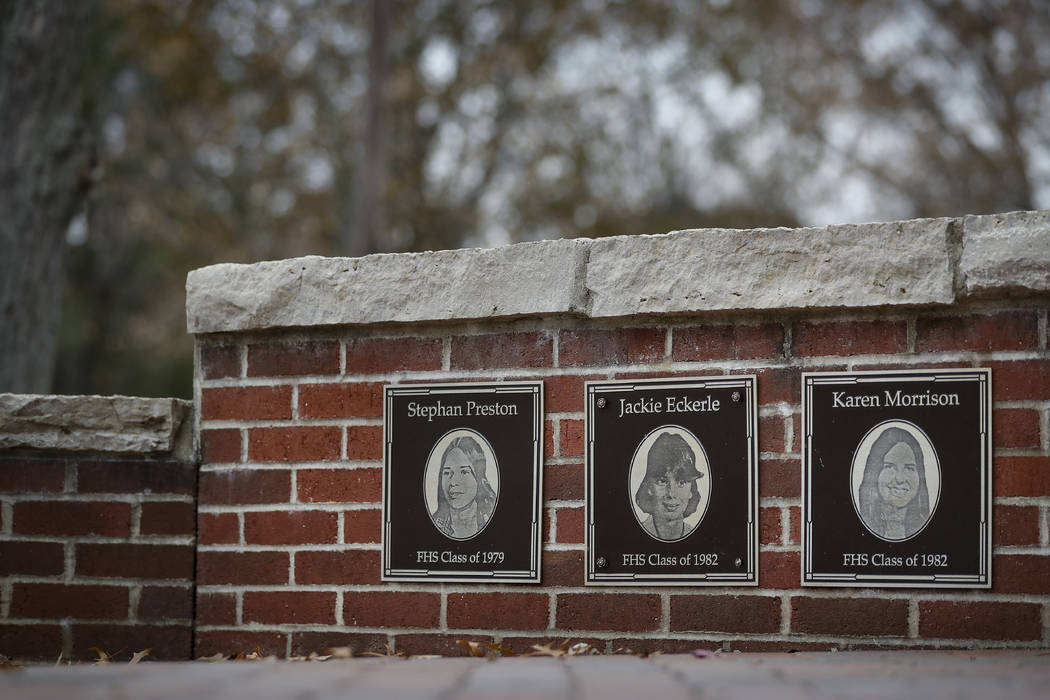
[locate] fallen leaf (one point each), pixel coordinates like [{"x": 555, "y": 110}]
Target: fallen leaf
[
  {"x": 340, "y": 652},
  {"x": 473, "y": 648},
  {"x": 703, "y": 653},
  {"x": 389, "y": 652},
  {"x": 547, "y": 649},
  {"x": 140, "y": 655},
  {"x": 103, "y": 657},
  {"x": 214, "y": 657}
]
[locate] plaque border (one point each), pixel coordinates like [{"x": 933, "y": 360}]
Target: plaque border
[
  {"x": 481, "y": 575},
  {"x": 980, "y": 580},
  {"x": 749, "y": 575}
]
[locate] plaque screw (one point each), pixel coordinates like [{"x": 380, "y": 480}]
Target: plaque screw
[
  {"x": 601, "y": 560},
  {"x": 736, "y": 396},
  {"x": 601, "y": 404},
  {"x": 738, "y": 562}
]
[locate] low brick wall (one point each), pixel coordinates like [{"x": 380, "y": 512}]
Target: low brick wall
[
  {"x": 97, "y": 522},
  {"x": 292, "y": 357}
]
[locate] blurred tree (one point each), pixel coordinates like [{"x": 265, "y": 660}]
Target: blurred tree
[
  {"x": 46, "y": 161},
  {"x": 233, "y": 130}
]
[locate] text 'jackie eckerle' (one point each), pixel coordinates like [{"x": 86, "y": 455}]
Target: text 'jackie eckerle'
[
  {"x": 469, "y": 408},
  {"x": 672, "y": 404}
]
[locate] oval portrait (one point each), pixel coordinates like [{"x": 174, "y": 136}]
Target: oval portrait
[
  {"x": 895, "y": 480},
  {"x": 461, "y": 483},
  {"x": 670, "y": 483}
]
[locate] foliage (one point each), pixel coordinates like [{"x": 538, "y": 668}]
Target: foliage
[{"x": 236, "y": 131}]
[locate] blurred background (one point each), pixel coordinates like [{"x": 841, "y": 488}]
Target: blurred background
[{"x": 239, "y": 131}]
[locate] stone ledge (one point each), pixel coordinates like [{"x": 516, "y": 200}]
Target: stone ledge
[
  {"x": 919, "y": 262},
  {"x": 115, "y": 424}
]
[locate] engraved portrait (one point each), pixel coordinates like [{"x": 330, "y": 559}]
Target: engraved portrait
[
  {"x": 670, "y": 481},
  {"x": 895, "y": 479},
  {"x": 461, "y": 484}
]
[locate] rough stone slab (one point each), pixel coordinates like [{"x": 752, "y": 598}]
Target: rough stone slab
[
  {"x": 1006, "y": 253},
  {"x": 524, "y": 279},
  {"x": 860, "y": 265},
  {"x": 119, "y": 424}
]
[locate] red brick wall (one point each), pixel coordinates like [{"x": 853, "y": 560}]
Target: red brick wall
[
  {"x": 96, "y": 552},
  {"x": 289, "y": 517}
]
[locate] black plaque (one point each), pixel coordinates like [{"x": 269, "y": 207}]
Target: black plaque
[
  {"x": 672, "y": 496},
  {"x": 462, "y": 475},
  {"x": 897, "y": 487}
]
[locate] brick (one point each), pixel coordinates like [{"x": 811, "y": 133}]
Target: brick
[
  {"x": 814, "y": 338},
  {"x": 360, "y": 400},
  {"x": 779, "y": 570},
  {"x": 390, "y": 609},
  {"x": 1015, "y": 427},
  {"x": 563, "y": 482},
  {"x": 298, "y": 444},
  {"x": 617, "y": 346},
  {"x": 71, "y": 518},
  {"x": 1015, "y": 525},
  {"x": 167, "y": 518},
  {"x": 1012, "y": 330},
  {"x": 345, "y": 568},
  {"x": 662, "y": 374},
  {"x": 364, "y": 442},
  {"x": 564, "y": 394},
  {"x": 608, "y": 611},
  {"x": 247, "y": 403},
  {"x": 167, "y": 477},
  {"x": 362, "y": 525},
  {"x": 851, "y": 617},
  {"x": 502, "y": 350},
  {"x": 289, "y": 359},
  {"x": 747, "y": 646},
  {"x": 223, "y": 445},
  {"x": 435, "y": 644},
  {"x": 779, "y": 478},
  {"x": 306, "y": 643},
  {"x": 570, "y": 524},
  {"x": 245, "y": 487},
  {"x": 380, "y": 355},
  {"x": 216, "y": 609},
  {"x": 1021, "y": 476},
  {"x": 218, "y": 361},
  {"x": 291, "y": 527},
  {"x": 19, "y": 475},
  {"x": 218, "y": 528},
  {"x": 166, "y": 642},
  {"x": 795, "y": 529},
  {"x": 1020, "y": 380},
  {"x": 242, "y": 568},
  {"x": 340, "y": 485},
  {"x": 723, "y": 613},
  {"x": 1021, "y": 573},
  {"x": 57, "y": 600},
  {"x": 796, "y": 432},
  {"x": 516, "y": 611},
  {"x": 289, "y": 607},
  {"x": 983, "y": 620},
  {"x": 730, "y": 342},
  {"x": 548, "y": 439},
  {"x": 572, "y": 438},
  {"x": 122, "y": 560},
  {"x": 562, "y": 568},
  {"x": 777, "y": 385},
  {"x": 31, "y": 558},
  {"x": 166, "y": 603},
  {"x": 32, "y": 642},
  {"x": 769, "y": 526},
  {"x": 771, "y": 434},
  {"x": 629, "y": 645},
  {"x": 230, "y": 643}
]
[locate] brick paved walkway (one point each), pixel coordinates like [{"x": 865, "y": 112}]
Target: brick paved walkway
[{"x": 1013, "y": 675}]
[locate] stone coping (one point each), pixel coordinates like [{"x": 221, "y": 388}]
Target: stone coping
[
  {"x": 110, "y": 424},
  {"x": 919, "y": 262}
]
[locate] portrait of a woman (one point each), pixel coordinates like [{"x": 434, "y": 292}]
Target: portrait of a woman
[
  {"x": 893, "y": 498},
  {"x": 668, "y": 493},
  {"x": 465, "y": 499}
]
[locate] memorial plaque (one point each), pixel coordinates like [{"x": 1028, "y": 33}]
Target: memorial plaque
[
  {"x": 462, "y": 475},
  {"x": 897, "y": 487},
  {"x": 672, "y": 487}
]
